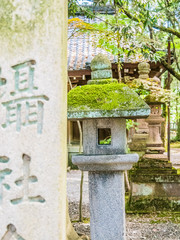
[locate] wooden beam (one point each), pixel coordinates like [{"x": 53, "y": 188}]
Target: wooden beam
[{"x": 155, "y": 67}]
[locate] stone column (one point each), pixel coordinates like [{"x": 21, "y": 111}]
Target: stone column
[
  {"x": 33, "y": 120},
  {"x": 138, "y": 142},
  {"x": 107, "y": 205},
  {"x": 106, "y": 165},
  {"x": 154, "y": 141}
]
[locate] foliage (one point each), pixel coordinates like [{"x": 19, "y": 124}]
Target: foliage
[
  {"x": 130, "y": 123},
  {"x": 143, "y": 26},
  {"x": 106, "y": 141}
]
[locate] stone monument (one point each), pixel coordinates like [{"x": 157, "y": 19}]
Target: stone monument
[
  {"x": 33, "y": 120},
  {"x": 155, "y": 183},
  {"x": 103, "y": 105}
]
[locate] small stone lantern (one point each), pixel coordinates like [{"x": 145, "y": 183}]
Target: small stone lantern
[
  {"x": 155, "y": 184},
  {"x": 104, "y": 105}
]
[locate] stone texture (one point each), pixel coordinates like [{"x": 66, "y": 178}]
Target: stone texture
[
  {"x": 100, "y": 62},
  {"x": 107, "y": 204},
  {"x": 90, "y": 136},
  {"x": 105, "y": 162},
  {"x": 144, "y": 70},
  {"x": 138, "y": 141},
  {"x": 33, "y": 121},
  {"x": 154, "y": 141}
]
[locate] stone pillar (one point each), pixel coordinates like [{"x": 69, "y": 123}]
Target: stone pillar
[
  {"x": 138, "y": 141},
  {"x": 142, "y": 135},
  {"x": 33, "y": 120},
  {"x": 105, "y": 165},
  {"x": 107, "y": 205},
  {"x": 154, "y": 141}
]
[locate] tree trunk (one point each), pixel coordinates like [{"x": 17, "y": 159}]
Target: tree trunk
[{"x": 178, "y": 131}]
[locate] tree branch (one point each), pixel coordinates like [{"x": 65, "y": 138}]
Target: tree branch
[
  {"x": 166, "y": 65},
  {"x": 162, "y": 28},
  {"x": 170, "y": 69}
]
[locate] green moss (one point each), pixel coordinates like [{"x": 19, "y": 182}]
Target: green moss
[
  {"x": 102, "y": 81},
  {"x": 153, "y": 204},
  {"x": 104, "y": 97}
]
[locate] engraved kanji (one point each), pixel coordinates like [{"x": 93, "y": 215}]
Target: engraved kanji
[
  {"x": 24, "y": 77},
  {"x": 11, "y": 233},
  {"x": 4, "y": 172},
  {"x": 2, "y": 83},
  {"x": 26, "y": 109},
  {"x": 24, "y": 182}
]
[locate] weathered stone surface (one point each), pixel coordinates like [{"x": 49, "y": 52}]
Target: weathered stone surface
[
  {"x": 158, "y": 177},
  {"x": 156, "y": 189},
  {"x": 149, "y": 204},
  {"x": 159, "y": 157},
  {"x": 33, "y": 120},
  {"x": 107, "y": 204},
  {"x": 106, "y": 162},
  {"x": 100, "y": 62},
  {"x": 102, "y": 81},
  {"x": 144, "y": 70},
  {"x": 154, "y": 141},
  {"x": 98, "y": 74},
  {"x": 90, "y": 136},
  {"x": 139, "y": 138}
]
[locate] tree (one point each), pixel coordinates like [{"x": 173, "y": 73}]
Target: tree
[{"x": 155, "y": 21}]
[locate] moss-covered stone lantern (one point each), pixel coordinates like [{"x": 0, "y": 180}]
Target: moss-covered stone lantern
[
  {"x": 155, "y": 184},
  {"x": 104, "y": 105}
]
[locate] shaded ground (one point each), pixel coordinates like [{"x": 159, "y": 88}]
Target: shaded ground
[
  {"x": 175, "y": 157},
  {"x": 137, "y": 226},
  {"x": 159, "y": 227}
]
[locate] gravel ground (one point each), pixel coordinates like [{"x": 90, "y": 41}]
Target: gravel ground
[{"x": 137, "y": 226}]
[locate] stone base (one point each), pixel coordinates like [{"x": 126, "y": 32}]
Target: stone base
[
  {"x": 155, "y": 150},
  {"x": 155, "y": 185},
  {"x": 155, "y": 204},
  {"x": 138, "y": 142}
]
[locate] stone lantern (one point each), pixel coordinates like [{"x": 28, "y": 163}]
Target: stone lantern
[
  {"x": 155, "y": 183},
  {"x": 104, "y": 105}
]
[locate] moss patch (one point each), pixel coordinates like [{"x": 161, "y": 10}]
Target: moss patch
[
  {"x": 104, "y": 97},
  {"x": 102, "y": 81},
  {"x": 146, "y": 204}
]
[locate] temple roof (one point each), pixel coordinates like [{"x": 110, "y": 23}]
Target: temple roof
[{"x": 81, "y": 49}]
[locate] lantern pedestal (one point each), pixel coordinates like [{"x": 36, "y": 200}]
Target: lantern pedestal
[{"x": 106, "y": 192}]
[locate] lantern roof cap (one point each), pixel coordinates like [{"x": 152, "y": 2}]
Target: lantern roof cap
[
  {"x": 104, "y": 97},
  {"x": 108, "y": 100}
]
